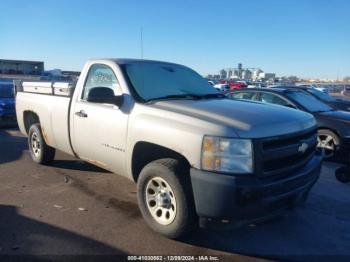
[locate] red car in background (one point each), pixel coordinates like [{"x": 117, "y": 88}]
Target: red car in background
[
  {"x": 233, "y": 84},
  {"x": 237, "y": 85}
]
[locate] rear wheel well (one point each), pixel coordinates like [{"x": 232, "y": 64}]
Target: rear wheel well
[
  {"x": 30, "y": 118},
  {"x": 145, "y": 152}
]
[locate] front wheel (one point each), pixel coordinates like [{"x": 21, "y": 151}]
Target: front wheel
[
  {"x": 165, "y": 198},
  {"x": 40, "y": 152},
  {"x": 328, "y": 142}
]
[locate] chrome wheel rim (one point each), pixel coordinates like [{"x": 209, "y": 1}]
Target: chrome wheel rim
[
  {"x": 35, "y": 144},
  {"x": 161, "y": 201},
  {"x": 327, "y": 145}
]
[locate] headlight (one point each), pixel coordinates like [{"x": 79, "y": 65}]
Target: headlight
[{"x": 227, "y": 155}]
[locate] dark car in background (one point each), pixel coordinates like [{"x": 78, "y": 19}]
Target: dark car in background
[
  {"x": 336, "y": 103},
  {"x": 333, "y": 125},
  {"x": 346, "y": 91},
  {"x": 7, "y": 101}
]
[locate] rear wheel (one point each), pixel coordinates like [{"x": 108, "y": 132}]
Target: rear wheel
[
  {"x": 165, "y": 198},
  {"x": 328, "y": 142},
  {"x": 40, "y": 152}
]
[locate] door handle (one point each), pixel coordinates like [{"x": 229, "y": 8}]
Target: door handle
[{"x": 81, "y": 113}]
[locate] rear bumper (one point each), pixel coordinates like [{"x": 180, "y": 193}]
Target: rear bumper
[{"x": 248, "y": 198}]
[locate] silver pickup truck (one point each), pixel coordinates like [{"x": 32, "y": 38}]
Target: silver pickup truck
[{"x": 192, "y": 152}]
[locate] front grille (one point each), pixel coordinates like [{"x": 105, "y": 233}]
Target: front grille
[{"x": 283, "y": 155}]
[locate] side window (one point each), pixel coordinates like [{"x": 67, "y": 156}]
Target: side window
[
  {"x": 243, "y": 95},
  {"x": 273, "y": 99},
  {"x": 101, "y": 76}
]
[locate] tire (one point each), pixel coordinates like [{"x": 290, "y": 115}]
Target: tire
[
  {"x": 40, "y": 152},
  {"x": 328, "y": 142},
  {"x": 343, "y": 174},
  {"x": 173, "y": 196}
]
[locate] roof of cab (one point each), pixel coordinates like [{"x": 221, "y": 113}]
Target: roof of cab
[{"x": 123, "y": 61}]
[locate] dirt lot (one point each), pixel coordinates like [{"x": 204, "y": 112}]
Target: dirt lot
[{"x": 73, "y": 208}]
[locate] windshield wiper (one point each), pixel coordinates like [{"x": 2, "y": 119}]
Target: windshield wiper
[
  {"x": 188, "y": 96},
  {"x": 218, "y": 95},
  {"x": 324, "y": 111},
  {"x": 182, "y": 96}
]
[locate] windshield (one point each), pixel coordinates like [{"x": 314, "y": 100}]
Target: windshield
[
  {"x": 161, "y": 80},
  {"x": 6, "y": 91},
  {"x": 309, "y": 102},
  {"x": 321, "y": 95}
]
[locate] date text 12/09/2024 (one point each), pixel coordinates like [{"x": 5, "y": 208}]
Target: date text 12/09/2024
[{"x": 173, "y": 258}]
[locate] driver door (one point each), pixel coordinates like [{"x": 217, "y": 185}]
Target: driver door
[{"x": 99, "y": 130}]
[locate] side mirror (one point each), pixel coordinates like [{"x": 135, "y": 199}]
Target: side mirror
[{"x": 104, "y": 95}]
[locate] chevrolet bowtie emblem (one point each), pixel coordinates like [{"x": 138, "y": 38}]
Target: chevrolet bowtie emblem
[{"x": 303, "y": 147}]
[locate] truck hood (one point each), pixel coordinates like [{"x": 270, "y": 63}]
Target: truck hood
[
  {"x": 7, "y": 103},
  {"x": 247, "y": 119}
]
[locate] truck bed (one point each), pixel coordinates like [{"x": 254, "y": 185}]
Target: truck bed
[{"x": 50, "y": 101}]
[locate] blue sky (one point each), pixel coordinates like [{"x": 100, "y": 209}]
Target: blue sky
[{"x": 290, "y": 37}]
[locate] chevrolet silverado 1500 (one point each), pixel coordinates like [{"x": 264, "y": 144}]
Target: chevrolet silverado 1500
[{"x": 192, "y": 152}]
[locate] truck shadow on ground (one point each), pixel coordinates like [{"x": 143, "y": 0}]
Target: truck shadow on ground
[
  {"x": 17, "y": 144},
  {"x": 25, "y": 236},
  {"x": 77, "y": 165}
]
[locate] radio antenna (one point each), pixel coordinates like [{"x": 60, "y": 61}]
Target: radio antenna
[{"x": 141, "y": 38}]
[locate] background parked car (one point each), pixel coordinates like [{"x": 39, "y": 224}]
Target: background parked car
[
  {"x": 333, "y": 125},
  {"x": 237, "y": 84},
  {"x": 256, "y": 85},
  {"x": 222, "y": 86},
  {"x": 212, "y": 82},
  {"x": 336, "y": 103},
  {"x": 319, "y": 88},
  {"x": 7, "y": 101}
]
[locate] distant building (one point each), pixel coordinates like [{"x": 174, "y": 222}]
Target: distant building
[
  {"x": 255, "y": 75},
  {"x": 240, "y": 70},
  {"x": 223, "y": 74},
  {"x": 246, "y": 74},
  {"x": 270, "y": 76},
  {"x": 19, "y": 67},
  {"x": 74, "y": 75},
  {"x": 267, "y": 76},
  {"x": 230, "y": 73},
  {"x": 235, "y": 74}
]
